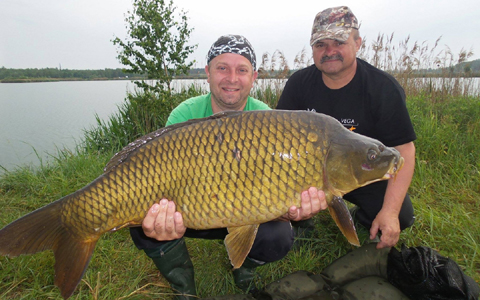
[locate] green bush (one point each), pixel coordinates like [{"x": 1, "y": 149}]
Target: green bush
[{"x": 141, "y": 113}]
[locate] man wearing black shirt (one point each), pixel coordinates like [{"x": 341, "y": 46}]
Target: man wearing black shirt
[{"x": 365, "y": 100}]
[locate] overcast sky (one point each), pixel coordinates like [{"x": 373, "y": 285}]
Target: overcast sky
[{"x": 77, "y": 34}]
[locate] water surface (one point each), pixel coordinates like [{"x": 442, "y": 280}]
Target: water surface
[{"x": 38, "y": 118}]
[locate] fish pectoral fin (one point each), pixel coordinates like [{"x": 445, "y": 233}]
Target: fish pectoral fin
[
  {"x": 238, "y": 242},
  {"x": 339, "y": 212}
]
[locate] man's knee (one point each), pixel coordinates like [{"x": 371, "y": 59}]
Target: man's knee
[
  {"x": 273, "y": 241},
  {"x": 406, "y": 216},
  {"x": 367, "y": 213}
]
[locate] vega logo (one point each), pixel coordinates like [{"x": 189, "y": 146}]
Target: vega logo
[{"x": 349, "y": 124}]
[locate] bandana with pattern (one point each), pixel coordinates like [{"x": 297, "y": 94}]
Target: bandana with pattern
[{"x": 232, "y": 44}]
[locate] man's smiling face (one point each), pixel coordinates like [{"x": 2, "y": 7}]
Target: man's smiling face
[{"x": 231, "y": 77}]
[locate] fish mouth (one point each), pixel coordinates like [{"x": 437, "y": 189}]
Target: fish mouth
[{"x": 395, "y": 166}]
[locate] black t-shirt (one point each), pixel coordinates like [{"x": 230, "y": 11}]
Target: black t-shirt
[{"x": 372, "y": 104}]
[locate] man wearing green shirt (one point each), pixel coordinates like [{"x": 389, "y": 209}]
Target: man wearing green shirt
[
  {"x": 231, "y": 66},
  {"x": 201, "y": 107}
]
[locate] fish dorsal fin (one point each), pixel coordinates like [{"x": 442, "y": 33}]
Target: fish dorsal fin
[
  {"x": 123, "y": 154},
  {"x": 238, "y": 242},
  {"x": 339, "y": 212}
]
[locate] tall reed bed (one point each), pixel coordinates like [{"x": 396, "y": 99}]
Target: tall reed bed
[{"x": 420, "y": 68}]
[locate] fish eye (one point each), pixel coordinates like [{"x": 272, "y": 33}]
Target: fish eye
[{"x": 372, "y": 155}]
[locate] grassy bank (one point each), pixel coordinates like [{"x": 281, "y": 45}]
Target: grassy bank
[{"x": 445, "y": 191}]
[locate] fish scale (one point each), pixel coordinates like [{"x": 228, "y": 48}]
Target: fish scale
[
  {"x": 227, "y": 164},
  {"x": 234, "y": 170},
  {"x": 182, "y": 166}
]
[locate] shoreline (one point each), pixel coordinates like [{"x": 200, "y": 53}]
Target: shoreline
[{"x": 33, "y": 80}]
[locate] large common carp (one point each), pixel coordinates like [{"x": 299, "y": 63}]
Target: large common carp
[{"x": 234, "y": 170}]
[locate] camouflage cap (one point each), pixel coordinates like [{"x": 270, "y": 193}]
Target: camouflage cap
[
  {"x": 334, "y": 23},
  {"x": 232, "y": 44}
]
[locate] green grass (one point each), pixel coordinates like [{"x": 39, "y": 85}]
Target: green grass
[
  {"x": 445, "y": 192},
  {"x": 446, "y": 184}
]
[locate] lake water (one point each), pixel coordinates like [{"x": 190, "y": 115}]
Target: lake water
[
  {"x": 41, "y": 117},
  {"x": 36, "y": 119}
]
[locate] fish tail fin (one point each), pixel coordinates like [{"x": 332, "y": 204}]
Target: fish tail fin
[
  {"x": 43, "y": 230},
  {"x": 35, "y": 232}
]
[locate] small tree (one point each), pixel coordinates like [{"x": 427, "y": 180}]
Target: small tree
[{"x": 157, "y": 46}]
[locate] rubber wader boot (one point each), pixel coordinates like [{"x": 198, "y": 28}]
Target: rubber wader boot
[
  {"x": 245, "y": 275},
  {"x": 174, "y": 263}
]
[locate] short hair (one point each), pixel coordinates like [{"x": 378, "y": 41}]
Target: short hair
[{"x": 356, "y": 34}]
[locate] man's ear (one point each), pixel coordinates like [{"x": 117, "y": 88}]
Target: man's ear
[
  {"x": 255, "y": 75},
  {"x": 207, "y": 70},
  {"x": 358, "y": 43}
]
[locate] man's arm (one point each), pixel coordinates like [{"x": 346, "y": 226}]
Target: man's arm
[{"x": 387, "y": 218}]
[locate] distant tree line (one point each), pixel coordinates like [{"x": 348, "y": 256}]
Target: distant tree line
[
  {"x": 468, "y": 67},
  {"x": 464, "y": 69},
  {"x": 55, "y": 73},
  {"x": 45, "y": 74}
]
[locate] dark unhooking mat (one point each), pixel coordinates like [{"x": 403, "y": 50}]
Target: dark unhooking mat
[
  {"x": 370, "y": 274},
  {"x": 424, "y": 274}
]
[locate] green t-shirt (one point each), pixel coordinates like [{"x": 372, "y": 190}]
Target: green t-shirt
[{"x": 201, "y": 107}]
